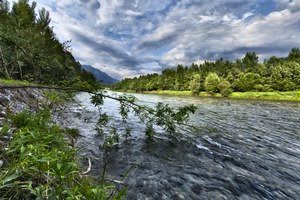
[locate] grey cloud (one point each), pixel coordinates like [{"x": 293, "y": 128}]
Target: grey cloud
[
  {"x": 103, "y": 48},
  {"x": 154, "y": 44},
  {"x": 92, "y": 4}
]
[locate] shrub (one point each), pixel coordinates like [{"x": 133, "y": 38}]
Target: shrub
[
  {"x": 225, "y": 88},
  {"x": 195, "y": 84},
  {"x": 41, "y": 164},
  {"x": 212, "y": 82},
  {"x": 246, "y": 82}
]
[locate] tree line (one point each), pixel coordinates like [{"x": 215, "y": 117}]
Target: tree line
[
  {"x": 224, "y": 76},
  {"x": 30, "y": 50}
]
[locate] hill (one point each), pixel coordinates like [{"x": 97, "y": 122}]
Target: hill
[{"x": 100, "y": 75}]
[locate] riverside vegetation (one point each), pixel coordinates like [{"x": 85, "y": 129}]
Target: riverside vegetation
[
  {"x": 38, "y": 157},
  {"x": 268, "y": 80},
  {"x": 40, "y": 160}
]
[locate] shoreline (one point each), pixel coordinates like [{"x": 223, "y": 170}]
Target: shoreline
[{"x": 270, "y": 96}]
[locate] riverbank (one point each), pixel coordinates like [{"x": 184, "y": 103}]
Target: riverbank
[
  {"x": 38, "y": 156},
  {"x": 276, "y": 96}
]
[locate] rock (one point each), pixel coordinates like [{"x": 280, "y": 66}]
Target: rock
[
  {"x": 2, "y": 113},
  {"x": 4, "y": 101},
  {"x": 181, "y": 197},
  {"x": 6, "y": 137},
  {"x": 1, "y": 163}
]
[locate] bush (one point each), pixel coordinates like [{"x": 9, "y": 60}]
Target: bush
[
  {"x": 41, "y": 164},
  {"x": 195, "y": 84},
  {"x": 263, "y": 88},
  {"x": 212, "y": 82},
  {"x": 225, "y": 88},
  {"x": 288, "y": 85},
  {"x": 246, "y": 82}
]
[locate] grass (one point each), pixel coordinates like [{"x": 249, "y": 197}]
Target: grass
[
  {"x": 285, "y": 96},
  {"x": 169, "y": 92},
  {"x": 13, "y": 82}
]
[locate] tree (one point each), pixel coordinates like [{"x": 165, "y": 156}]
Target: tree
[
  {"x": 195, "y": 84},
  {"x": 243, "y": 75},
  {"x": 294, "y": 55},
  {"x": 246, "y": 82},
  {"x": 212, "y": 82},
  {"x": 179, "y": 77},
  {"x": 225, "y": 88},
  {"x": 250, "y": 60}
]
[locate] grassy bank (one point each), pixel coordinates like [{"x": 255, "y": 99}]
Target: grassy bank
[
  {"x": 169, "y": 92},
  {"x": 285, "y": 96},
  {"x": 13, "y": 82}
]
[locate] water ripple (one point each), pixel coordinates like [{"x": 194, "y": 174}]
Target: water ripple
[{"x": 247, "y": 150}]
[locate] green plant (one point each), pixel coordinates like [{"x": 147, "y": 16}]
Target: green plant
[
  {"x": 195, "y": 84},
  {"x": 225, "y": 88},
  {"x": 41, "y": 163},
  {"x": 212, "y": 82},
  {"x": 161, "y": 115}
]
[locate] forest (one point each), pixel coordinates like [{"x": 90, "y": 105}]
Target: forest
[
  {"x": 31, "y": 51},
  {"x": 224, "y": 76}
]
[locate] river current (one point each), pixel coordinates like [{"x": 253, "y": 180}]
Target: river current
[{"x": 245, "y": 150}]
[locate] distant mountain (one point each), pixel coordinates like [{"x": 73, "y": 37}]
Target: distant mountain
[{"x": 100, "y": 76}]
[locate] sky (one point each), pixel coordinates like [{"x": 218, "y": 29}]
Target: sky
[{"x": 127, "y": 38}]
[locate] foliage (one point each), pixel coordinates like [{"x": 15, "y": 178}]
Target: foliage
[
  {"x": 212, "y": 82},
  {"x": 247, "y": 82},
  {"x": 279, "y": 74},
  {"x": 225, "y": 88},
  {"x": 30, "y": 50},
  {"x": 195, "y": 84},
  {"x": 41, "y": 163},
  {"x": 161, "y": 115}
]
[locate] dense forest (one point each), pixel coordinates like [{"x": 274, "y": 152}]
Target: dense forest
[
  {"x": 223, "y": 76},
  {"x": 30, "y": 50}
]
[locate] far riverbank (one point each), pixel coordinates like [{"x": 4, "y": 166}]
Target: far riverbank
[{"x": 275, "y": 96}]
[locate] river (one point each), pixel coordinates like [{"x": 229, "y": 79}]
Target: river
[{"x": 245, "y": 150}]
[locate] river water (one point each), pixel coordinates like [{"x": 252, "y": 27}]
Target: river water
[{"x": 245, "y": 150}]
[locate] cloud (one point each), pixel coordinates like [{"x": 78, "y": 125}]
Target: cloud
[{"x": 132, "y": 37}]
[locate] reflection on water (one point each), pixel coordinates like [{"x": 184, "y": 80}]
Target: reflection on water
[{"x": 247, "y": 150}]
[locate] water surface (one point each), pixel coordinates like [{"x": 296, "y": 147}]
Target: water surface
[{"x": 245, "y": 150}]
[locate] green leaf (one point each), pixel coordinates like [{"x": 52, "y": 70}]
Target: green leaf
[
  {"x": 121, "y": 194},
  {"x": 59, "y": 165},
  {"x": 9, "y": 178}
]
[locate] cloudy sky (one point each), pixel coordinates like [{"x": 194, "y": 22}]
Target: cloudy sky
[{"x": 126, "y": 38}]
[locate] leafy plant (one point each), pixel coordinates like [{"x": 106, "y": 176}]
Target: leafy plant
[
  {"x": 225, "y": 88},
  {"x": 161, "y": 115},
  {"x": 212, "y": 82},
  {"x": 41, "y": 163}
]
